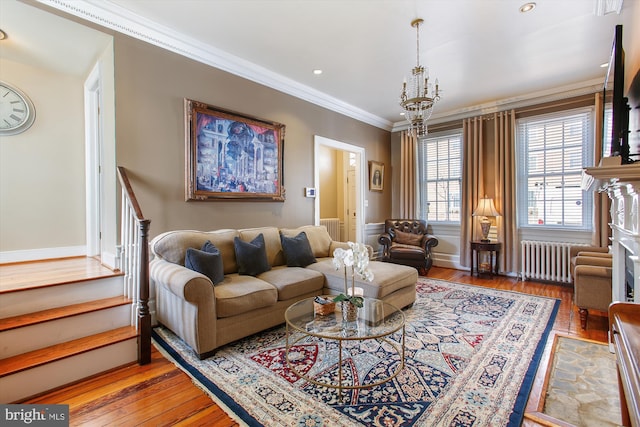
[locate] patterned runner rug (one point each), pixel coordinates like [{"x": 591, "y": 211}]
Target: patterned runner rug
[
  {"x": 582, "y": 389},
  {"x": 471, "y": 357}
]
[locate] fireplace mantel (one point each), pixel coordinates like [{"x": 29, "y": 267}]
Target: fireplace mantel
[{"x": 622, "y": 184}]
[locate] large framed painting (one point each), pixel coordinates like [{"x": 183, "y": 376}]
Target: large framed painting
[{"x": 232, "y": 156}]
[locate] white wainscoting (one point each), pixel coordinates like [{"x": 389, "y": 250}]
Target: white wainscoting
[
  {"x": 372, "y": 231},
  {"x": 447, "y": 253}
]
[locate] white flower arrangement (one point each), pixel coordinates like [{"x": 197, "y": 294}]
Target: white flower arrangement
[{"x": 356, "y": 257}]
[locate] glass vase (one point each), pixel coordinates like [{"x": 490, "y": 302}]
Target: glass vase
[{"x": 349, "y": 312}]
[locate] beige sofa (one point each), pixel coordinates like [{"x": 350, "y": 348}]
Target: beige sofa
[{"x": 207, "y": 316}]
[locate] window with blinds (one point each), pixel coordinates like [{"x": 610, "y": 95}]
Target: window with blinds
[
  {"x": 552, "y": 151},
  {"x": 440, "y": 174}
]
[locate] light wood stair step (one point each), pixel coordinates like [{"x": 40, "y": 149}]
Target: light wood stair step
[
  {"x": 61, "y": 312},
  {"x": 22, "y": 362},
  {"x": 20, "y": 276}
]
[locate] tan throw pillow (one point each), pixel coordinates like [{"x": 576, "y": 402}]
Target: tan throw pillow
[{"x": 408, "y": 238}]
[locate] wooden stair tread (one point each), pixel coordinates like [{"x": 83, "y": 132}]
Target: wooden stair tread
[
  {"x": 37, "y": 274},
  {"x": 32, "y": 359},
  {"x": 28, "y": 319}
]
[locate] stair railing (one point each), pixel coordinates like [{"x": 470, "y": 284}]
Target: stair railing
[{"x": 134, "y": 229}]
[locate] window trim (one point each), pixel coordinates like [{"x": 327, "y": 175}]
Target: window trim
[
  {"x": 522, "y": 176},
  {"x": 419, "y": 160}
]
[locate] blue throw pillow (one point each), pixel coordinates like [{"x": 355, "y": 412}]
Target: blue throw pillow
[
  {"x": 207, "y": 261},
  {"x": 251, "y": 256},
  {"x": 297, "y": 250}
]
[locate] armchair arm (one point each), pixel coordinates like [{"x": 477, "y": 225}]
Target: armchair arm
[
  {"x": 595, "y": 254},
  {"x": 592, "y": 271},
  {"x": 574, "y": 250},
  {"x": 429, "y": 242},
  {"x": 593, "y": 261}
]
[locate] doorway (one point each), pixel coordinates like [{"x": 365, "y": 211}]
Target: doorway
[
  {"x": 354, "y": 204},
  {"x": 93, "y": 162}
]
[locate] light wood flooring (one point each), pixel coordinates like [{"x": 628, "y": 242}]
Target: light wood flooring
[{"x": 159, "y": 394}]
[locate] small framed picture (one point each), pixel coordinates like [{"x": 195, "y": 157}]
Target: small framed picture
[{"x": 376, "y": 176}]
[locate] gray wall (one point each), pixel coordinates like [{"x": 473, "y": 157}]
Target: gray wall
[{"x": 150, "y": 86}]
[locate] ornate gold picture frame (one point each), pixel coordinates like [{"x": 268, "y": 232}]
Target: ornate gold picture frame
[{"x": 232, "y": 156}]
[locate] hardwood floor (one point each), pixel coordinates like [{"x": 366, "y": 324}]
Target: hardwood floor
[{"x": 160, "y": 394}]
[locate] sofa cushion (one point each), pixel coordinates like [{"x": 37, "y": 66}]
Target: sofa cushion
[
  {"x": 241, "y": 294},
  {"x": 251, "y": 256},
  {"x": 318, "y": 236},
  {"x": 293, "y": 282},
  {"x": 207, "y": 261},
  {"x": 271, "y": 241},
  {"x": 172, "y": 245},
  {"x": 407, "y": 238},
  {"x": 297, "y": 250}
]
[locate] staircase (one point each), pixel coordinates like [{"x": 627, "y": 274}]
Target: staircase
[{"x": 61, "y": 321}]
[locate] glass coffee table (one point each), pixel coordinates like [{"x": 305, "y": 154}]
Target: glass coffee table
[{"x": 377, "y": 320}]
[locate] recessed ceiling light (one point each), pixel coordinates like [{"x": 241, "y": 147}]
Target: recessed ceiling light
[
  {"x": 402, "y": 114},
  {"x": 604, "y": 65},
  {"x": 527, "y": 7},
  {"x": 317, "y": 71},
  {"x": 3, "y": 35}
]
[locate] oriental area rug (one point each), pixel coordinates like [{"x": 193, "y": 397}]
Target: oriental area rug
[{"x": 470, "y": 360}]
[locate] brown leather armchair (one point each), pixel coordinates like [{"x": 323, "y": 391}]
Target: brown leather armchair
[
  {"x": 405, "y": 241},
  {"x": 592, "y": 282}
]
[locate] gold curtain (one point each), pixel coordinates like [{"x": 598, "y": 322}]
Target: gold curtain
[
  {"x": 472, "y": 182},
  {"x": 408, "y": 147},
  {"x": 505, "y": 188},
  {"x": 601, "y": 204}
]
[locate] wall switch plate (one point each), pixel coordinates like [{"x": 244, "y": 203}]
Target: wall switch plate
[{"x": 309, "y": 192}]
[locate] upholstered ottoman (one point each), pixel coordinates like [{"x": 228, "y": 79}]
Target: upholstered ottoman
[{"x": 393, "y": 283}]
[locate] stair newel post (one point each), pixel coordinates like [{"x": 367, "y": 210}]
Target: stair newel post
[{"x": 144, "y": 315}]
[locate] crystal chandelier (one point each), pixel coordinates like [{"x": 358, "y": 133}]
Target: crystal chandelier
[{"x": 417, "y": 98}]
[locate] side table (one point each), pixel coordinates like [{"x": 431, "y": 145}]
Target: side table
[{"x": 494, "y": 255}]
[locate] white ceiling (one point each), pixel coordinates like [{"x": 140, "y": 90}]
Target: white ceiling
[
  {"x": 484, "y": 52},
  {"x": 41, "y": 39}
]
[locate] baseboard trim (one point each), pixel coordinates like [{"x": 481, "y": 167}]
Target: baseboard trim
[{"x": 43, "y": 253}]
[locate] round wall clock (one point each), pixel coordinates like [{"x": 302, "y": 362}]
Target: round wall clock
[{"x": 17, "y": 112}]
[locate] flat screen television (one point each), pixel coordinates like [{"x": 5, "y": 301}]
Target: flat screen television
[{"x": 614, "y": 92}]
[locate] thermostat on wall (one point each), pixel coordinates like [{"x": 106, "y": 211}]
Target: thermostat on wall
[{"x": 309, "y": 192}]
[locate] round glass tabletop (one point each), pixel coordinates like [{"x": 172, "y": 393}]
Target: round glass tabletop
[{"x": 375, "y": 319}]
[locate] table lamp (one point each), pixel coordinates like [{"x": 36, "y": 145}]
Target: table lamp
[{"x": 485, "y": 209}]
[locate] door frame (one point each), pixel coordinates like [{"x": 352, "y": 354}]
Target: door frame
[
  {"x": 93, "y": 158},
  {"x": 361, "y": 178}
]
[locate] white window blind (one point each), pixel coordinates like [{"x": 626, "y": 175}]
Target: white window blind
[
  {"x": 552, "y": 151},
  {"x": 440, "y": 174},
  {"x": 606, "y": 132}
]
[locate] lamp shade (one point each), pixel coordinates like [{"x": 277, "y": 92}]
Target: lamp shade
[{"x": 486, "y": 208}]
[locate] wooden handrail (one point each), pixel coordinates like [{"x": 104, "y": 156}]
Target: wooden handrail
[
  {"x": 142, "y": 270},
  {"x": 128, "y": 190}
]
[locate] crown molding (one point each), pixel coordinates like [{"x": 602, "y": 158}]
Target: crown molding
[
  {"x": 541, "y": 97},
  {"x": 114, "y": 17}
]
